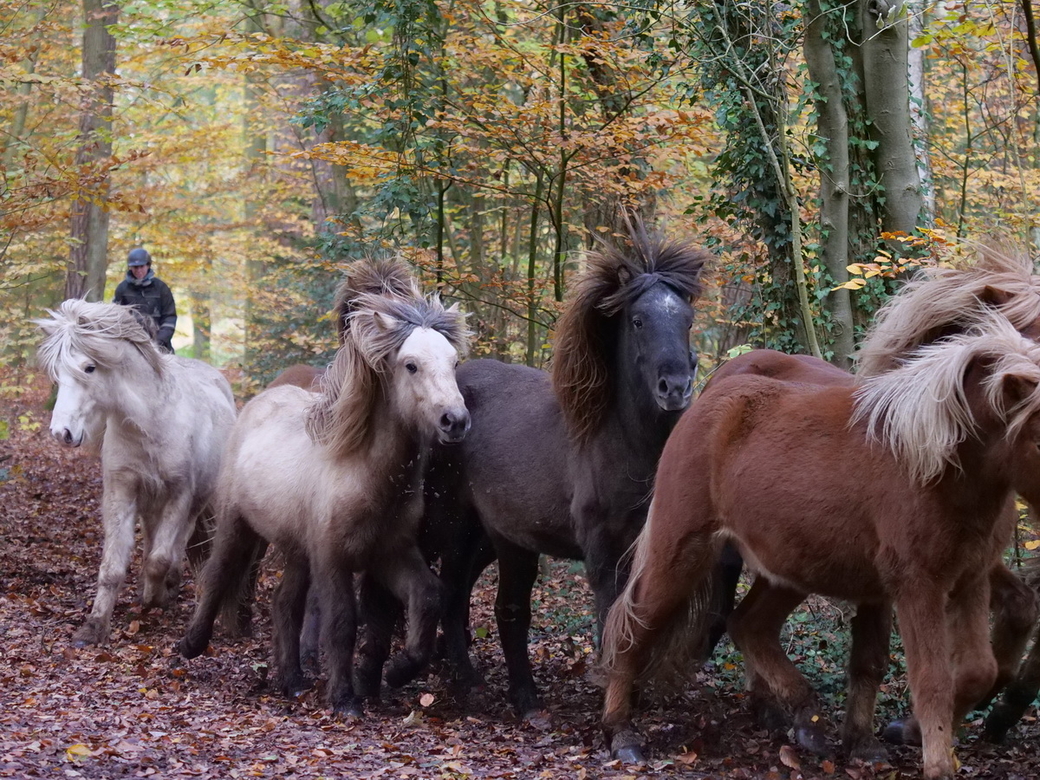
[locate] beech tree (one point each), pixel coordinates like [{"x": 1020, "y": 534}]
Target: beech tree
[{"x": 88, "y": 251}]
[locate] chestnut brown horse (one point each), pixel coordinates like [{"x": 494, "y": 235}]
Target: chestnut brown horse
[
  {"x": 1013, "y": 603},
  {"x": 894, "y": 490}
]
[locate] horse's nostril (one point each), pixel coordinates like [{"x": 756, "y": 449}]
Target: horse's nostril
[
  {"x": 447, "y": 421},
  {"x": 67, "y": 436},
  {"x": 662, "y": 387}
]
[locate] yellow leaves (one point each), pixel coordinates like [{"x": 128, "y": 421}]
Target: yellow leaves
[{"x": 77, "y": 752}]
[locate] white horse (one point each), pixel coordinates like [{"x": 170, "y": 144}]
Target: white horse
[
  {"x": 334, "y": 480},
  {"x": 160, "y": 422}
]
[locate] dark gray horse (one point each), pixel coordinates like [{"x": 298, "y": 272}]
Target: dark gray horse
[{"x": 562, "y": 465}]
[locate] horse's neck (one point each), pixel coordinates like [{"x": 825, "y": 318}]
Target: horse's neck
[
  {"x": 980, "y": 480},
  {"x": 394, "y": 450},
  {"x": 139, "y": 402},
  {"x": 637, "y": 420}
]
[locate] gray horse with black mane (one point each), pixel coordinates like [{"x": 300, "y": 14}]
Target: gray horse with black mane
[{"x": 561, "y": 464}]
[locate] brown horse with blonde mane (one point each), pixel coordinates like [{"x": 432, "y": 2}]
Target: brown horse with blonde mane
[{"x": 892, "y": 490}]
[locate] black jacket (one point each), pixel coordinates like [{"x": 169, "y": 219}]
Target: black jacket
[{"x": 153, "y": 298}]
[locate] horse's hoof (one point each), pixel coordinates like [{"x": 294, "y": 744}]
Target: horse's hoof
[
  {"x": 627, "y": 747},
  {"x": 630, "y": 754},
  {"x": 190, "y": 649},
  {"x": 869, "y": 751},
  {"x": 87, "y": 635},
  {"x": 902, "y": 732},
  {"x": 350, "y": 709},
  {"x": 811, "y": 737},
  {"x": 402, "y": 670}
]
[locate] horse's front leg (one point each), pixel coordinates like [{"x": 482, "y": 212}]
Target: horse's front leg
[
  {"x": 119, "y": 511},
  {"x": 410, "y": 579},
  {"x": 378, "y": 611},
  {"x": 164, "y": 551},
  {"x": 335, "y": 584},
  {"x": 290, "y": 599},
  {"x": 517, "y": 572},
  {"x": 923, "y": 626}
]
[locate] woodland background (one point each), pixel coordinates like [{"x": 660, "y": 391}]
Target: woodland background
[{"x": 254, "y": 147}]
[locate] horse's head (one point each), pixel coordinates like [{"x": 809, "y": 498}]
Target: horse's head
[
  {"x": 654, "y": 353},
  {"x": 403, "y": 350},
  {"x": 625, "y": 337},
  {"x": 85, "y": 351}
]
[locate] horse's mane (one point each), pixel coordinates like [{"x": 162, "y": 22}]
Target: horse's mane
[
  {"x": 99, "y": 330},
  {"x": 386, "y": 276},
  {"x": 944, "y": 301},
  {"x": 920, "y": 410},
  {"x": 613, "y": 278},
  {"x": 341, "y": 417}
]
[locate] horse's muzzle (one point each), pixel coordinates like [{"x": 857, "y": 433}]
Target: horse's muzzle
[
  {"x": 673, "y": 393},
  {"x": 453, "y": 426},
  {"x": 64, "y": 435}
]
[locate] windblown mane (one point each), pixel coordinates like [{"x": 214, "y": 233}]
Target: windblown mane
[
  {"x": 341, "y": 417},
  {"x": 920, "y": 410},
  {"x": 944, "y": 301},
  {"x": 99, "y": 330},
  {"x": 585, "y": 334},
  {"x": 387, "y": 276}
]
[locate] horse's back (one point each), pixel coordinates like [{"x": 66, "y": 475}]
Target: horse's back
[
  {"x": 515, "y": 457},
  {"x": 307, "y": 377},
  {"x": 784, "y": 367}
]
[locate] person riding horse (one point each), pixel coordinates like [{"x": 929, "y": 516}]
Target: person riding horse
[{"x": 149, "y": 295}]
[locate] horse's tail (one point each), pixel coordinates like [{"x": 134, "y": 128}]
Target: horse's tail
[{"x": 666, "y": 620}]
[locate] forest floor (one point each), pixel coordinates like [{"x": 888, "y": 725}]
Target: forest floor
[{"x": 134, "y": 708}]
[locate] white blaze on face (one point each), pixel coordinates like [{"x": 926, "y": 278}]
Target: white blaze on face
[{"x": 424, "y": 379}]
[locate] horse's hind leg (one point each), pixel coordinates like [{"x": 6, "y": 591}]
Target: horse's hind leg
[
  {"x": 234, "y": 549},
  {"x": 724, "y": 595},
  {"x": 1017, "y": 698},
  {"x": 378, "y": 611},
  {"x": 517, "y": 572},
  {"x": 287, "y": 608},
  {"x": 671, "y": 566},
  {"x": 1014, "y": 608},
  {"x": 119, "y": 510},
  {"x": 411, "y": 580},
  {"x": 868, "y": 661},
  {"x": 779, "y": 692}
]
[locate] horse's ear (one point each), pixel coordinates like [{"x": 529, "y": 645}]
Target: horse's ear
[
  {"x": 384, "y": 321},
  {"x": 991, "y": 296},
  {"x": 1016, "y": 389}
]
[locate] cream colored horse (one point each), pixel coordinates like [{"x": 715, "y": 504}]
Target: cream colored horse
[{"x": 160, "y": 422}]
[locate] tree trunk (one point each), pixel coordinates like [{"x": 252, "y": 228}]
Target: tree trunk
[
  {"x": 833, "y": 129},
  {"x": 918, "y": 109},
  {"x": 887, "y": 93},
  {"x": 88, "y": 255},
  {"x": 201, "y": 320}
]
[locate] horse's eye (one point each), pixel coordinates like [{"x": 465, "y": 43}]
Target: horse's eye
[
  {"x": 412, "y": 368},
  {"x": 637, "y": 323},
  {"x": 89, "y": 369}
]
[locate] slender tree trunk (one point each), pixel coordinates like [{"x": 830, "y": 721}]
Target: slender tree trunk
[
  {"x": 256, "y": 159},
  {"x": 918, "y": 11},
  {"x": 833, "y": 129},
  {"x": 201, "y": 321},
  {"x": 532, "y": 257},
  {"x": 887, "y": 93},
  {"x": 88, "y": 254}
]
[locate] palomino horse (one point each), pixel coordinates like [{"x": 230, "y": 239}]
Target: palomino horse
[
  {"x": 160, "y": 421},
  {"x": 893, "y": 490},
  {"x": 564, "y": 465},
  {"x": 334, "y": 480}
]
